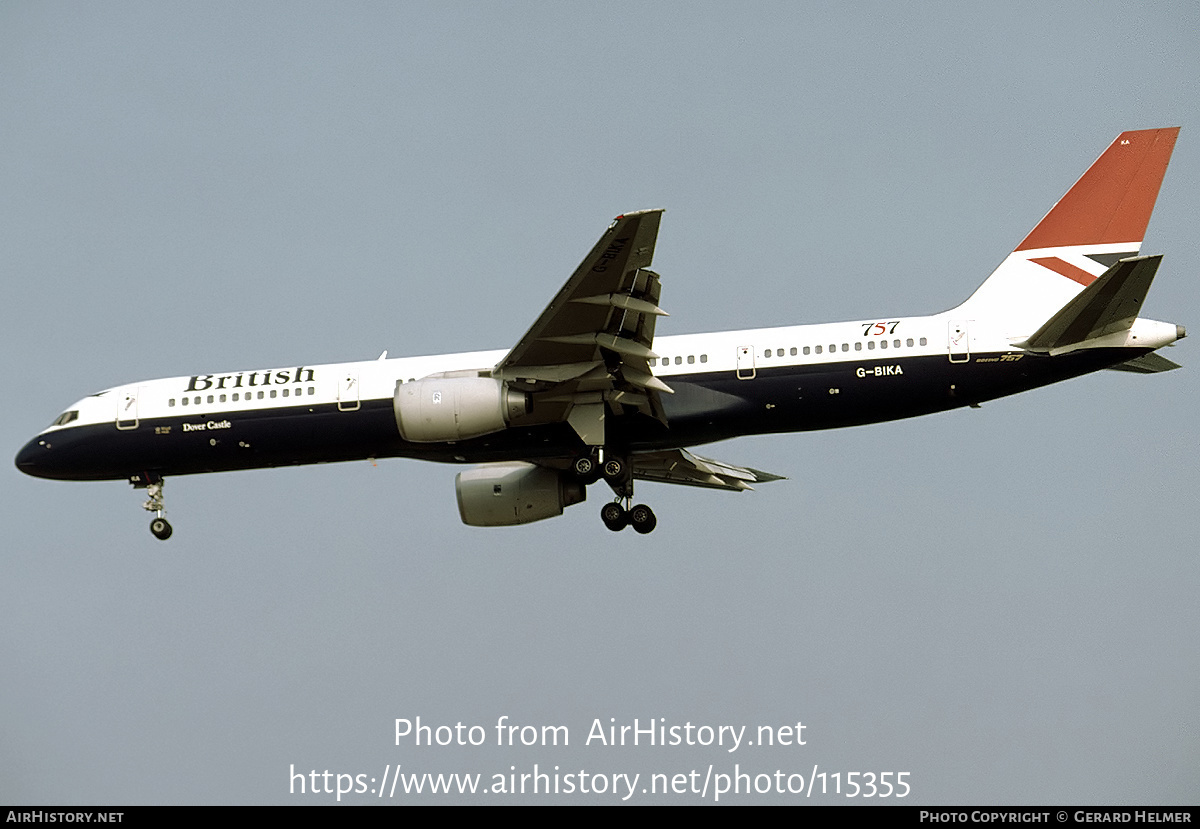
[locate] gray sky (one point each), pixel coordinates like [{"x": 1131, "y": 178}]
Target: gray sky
[{"x": 1000, "y": 602}]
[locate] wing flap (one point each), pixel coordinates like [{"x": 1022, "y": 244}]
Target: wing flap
[
  {"x": 626, "y": 302},
  {"x": 678, "y": 466}
]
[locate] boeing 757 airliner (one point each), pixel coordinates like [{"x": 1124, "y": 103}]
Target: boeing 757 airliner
[{"x": 588, "y": 393}]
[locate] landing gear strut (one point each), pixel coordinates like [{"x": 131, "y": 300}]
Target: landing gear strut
[{"x": 154, "y": 503}]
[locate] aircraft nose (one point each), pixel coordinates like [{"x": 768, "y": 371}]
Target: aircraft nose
[{"x": 33, "y": 457}]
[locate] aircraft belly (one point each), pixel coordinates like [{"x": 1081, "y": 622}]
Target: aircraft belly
[
  {"x": 708, "y": 407},
  {"x": 220, "y": 441}
]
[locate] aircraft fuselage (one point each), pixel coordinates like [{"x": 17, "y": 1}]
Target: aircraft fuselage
[{"x": 344, "y": 411}]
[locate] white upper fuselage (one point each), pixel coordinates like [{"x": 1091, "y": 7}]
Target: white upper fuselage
[{"x": 741, "y": 353}]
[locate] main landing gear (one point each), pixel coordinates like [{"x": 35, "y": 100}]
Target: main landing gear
[
  {"x": 587, "y": 469},
  {"x": 617, "y": 514},
  {"x": 159, "y": 526},
  {"x": 617, "y": 517}
]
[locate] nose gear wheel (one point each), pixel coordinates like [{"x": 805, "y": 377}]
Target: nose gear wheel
[{"x": 159, "y": 526}]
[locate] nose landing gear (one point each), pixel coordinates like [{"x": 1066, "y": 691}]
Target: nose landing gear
[{"x": 159, "y": 526}]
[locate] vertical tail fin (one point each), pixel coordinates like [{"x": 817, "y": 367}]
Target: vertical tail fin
[{"x": 1100, "y": 220}]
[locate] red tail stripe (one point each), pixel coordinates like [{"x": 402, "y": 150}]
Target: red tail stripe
[
  {"x": 1066, "y": 269},
  {"x": 1113, "y": 200}
]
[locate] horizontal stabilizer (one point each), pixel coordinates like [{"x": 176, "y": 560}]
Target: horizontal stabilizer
[
  {"x": 1146, "y": 364},
  {"x": 1107, "y": 306}
]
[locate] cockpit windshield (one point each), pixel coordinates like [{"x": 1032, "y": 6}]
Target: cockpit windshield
[{"x": 65, "y": 418}]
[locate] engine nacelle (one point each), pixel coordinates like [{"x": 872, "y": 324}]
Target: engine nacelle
[
  {"x": 504, "y": 494},
  {"x": 444, "y": 408}
]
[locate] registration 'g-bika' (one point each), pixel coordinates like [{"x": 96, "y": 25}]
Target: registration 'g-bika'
[{"x": 589, "y": 394}]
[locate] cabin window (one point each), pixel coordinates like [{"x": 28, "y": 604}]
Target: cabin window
[
  {"x": 222, "y": 398},
  {"x": 678, "y": 361},
  {"x": 793, "y": 351},
  {"x": 691, "y": 359},
  {"x": 883, "y": 343},
  {"x": 924, "y": 341},
  {"x": 767, "y": 353},
  {"x": 285, "y": 392},
  {"x": 210, "y": 398},
  {"x": 870, "y": 345},
  {"x": 896, "y": 343},
  {"x": 845, "y": 346},
  {"x": 818, "y": 350},
  {"x": 653, "y": 361},
  {"x": 312, "y": 390},
  {"x": 184, "y": 401},
  {"x": 196, "y": 400},
  {"x": 806, "y": 350},
  {"x": 857, "y": 346},
  {"x": 272, "y": 394},
  {"x": 910, "y": 342},
  {"x": 704, "y": 358},
  {"x": 260, "y": 395},
  {"x": 171, "y": 403}
]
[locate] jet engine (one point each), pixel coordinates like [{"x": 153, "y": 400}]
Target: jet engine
[
  {"x": 504, "y": 494},
  {"x": 444, "y": 407}
]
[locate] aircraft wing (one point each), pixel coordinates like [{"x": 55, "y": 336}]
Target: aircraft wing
[
  {"x": 678, "y": 466},
  {"x": 589, "y": 351}
]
